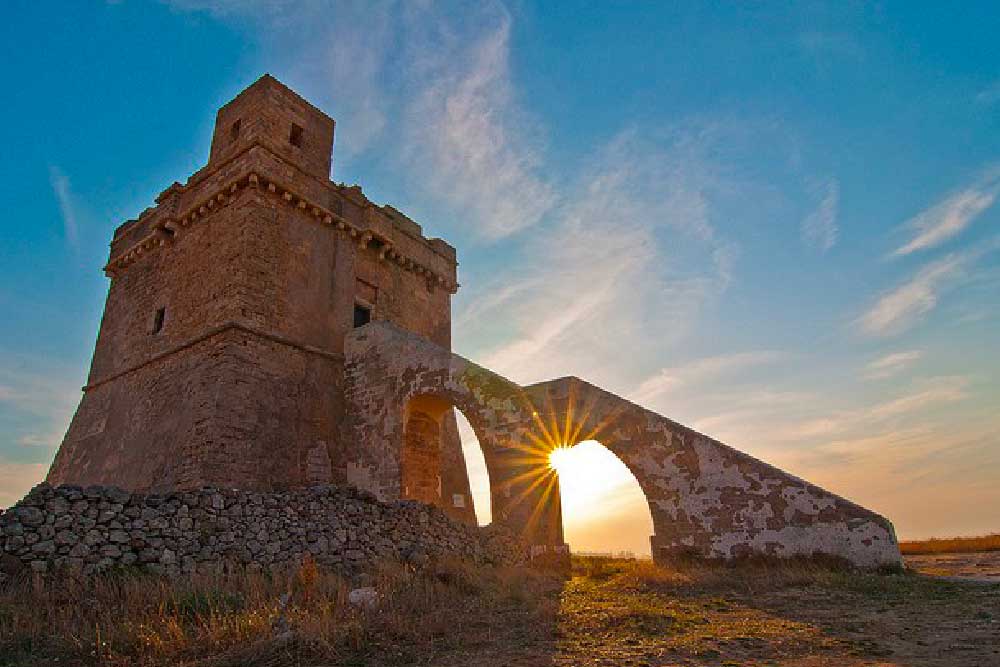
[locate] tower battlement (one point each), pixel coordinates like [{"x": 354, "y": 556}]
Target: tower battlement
[{"x": 270, "y": 113}]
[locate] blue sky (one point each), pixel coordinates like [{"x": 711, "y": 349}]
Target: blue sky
[{"x": 777, "y": 224}]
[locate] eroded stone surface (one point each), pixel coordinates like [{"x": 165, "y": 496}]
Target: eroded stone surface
[{"x": 706, "y": 499}]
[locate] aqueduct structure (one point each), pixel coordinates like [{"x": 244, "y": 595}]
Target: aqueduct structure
[{"x": 705, "y": 498}]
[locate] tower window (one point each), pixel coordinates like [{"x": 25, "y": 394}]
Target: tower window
[
  {"x": 158, "y": 320},
  {"x": 362, "y": 315},
  {"x": 295, "y": 136},
  {"x": 234, "y": 130}
]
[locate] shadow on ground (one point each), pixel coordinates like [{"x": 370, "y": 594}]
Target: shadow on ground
[{"x": 604, "y": 612}]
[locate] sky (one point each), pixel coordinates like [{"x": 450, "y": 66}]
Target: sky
[{"x": 776, "y": 223}]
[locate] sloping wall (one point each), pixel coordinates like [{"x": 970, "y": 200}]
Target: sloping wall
[{"x": 706, "y": 499}]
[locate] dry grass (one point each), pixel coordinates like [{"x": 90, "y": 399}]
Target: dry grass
[
  {"x": 248, "y": 619},
  {"x": 606, "y": 611},
  {"x": 767, "y": 612},
  {"x": 955, "y": 545},
  {"x": 748, "y": 577}
]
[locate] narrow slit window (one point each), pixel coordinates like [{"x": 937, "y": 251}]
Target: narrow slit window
[
  {"x": 295, "y": 136},
  {"x": 234, "y": 130},
  {"x": 161, "y": 313},
  {"x": 362, "y": 315}
]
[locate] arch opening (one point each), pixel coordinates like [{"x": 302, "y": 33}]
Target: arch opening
[
  {"x": 475, "y": 468},
  {"x": 441, "y": 462},
  {"x": 604, "y": 509}
]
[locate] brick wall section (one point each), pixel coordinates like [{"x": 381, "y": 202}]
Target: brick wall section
[
  {"x": 420, "y": 458},
  {"x": 97, "y": 528}
]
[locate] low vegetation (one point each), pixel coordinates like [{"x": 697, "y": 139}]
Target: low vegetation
[
  {"x": 247, "y": 619},
  {"x": 604, "y": 611},
  {"x": 954, "y": 545}
]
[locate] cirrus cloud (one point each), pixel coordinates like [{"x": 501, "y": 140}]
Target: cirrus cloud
[{"x": 951, "y": 216}]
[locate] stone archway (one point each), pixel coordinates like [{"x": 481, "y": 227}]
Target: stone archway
[
  {"x": 431, "y": 460},
  {"x": 604, "y": 510},
  {"x": 420, "y": 455},
  {"x": 706, "y": 499}
]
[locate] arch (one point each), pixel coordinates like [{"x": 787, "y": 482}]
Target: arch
[
  {"x": 432, "y": 463},
  {"x": 475, "y": 469},
  {"x": 705, "y": 498},
  {"x": 604, "y": 509}
]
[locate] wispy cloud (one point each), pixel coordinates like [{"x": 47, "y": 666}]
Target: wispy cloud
[
  {"x": 819, "y": 228},
  {"x": 902, "y": 307},
  {"x": 952, "y": 215},
  {"x": 891, "y": 364},
  {"x": 821, "y": 43},
  {"x": 699, "y": 370},
  {"x": 588, "y": 278},
  {"x": 810, "y": 423},
  {"x": 930, "y": 392},
  {"x": 61, "y": 188},
  {"x": 468, "y": 135}
]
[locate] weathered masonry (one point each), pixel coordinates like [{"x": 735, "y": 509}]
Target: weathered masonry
[
  {"x": 219, "y": 360},
  {"x": 267, "y": 329}
]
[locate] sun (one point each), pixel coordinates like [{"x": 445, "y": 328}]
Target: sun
[{"x": 561, "y": 458}]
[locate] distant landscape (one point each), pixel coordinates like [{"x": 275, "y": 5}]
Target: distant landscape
[{"x": 989, "y": 542}]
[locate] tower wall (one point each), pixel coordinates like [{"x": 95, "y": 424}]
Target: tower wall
[{"x": 219, "y": 359}]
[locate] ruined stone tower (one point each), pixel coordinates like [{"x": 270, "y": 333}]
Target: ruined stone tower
[{"x": 219, "y": 359}]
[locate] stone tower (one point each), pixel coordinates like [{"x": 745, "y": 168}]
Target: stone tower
[{"x": 219, "y": 360}]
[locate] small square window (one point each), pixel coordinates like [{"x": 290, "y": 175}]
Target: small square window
[
  {"x": 362, "y": 315},
  {"x": 234, "y": 130},
  {"x": 295, "y": 136},
  {"x": 161, "y": 313}
]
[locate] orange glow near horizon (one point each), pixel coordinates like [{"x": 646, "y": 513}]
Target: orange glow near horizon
[{"x": 603, "y": 507}]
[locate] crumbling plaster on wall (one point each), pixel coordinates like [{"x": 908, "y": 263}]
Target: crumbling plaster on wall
[{"x": 705, "y": 498}]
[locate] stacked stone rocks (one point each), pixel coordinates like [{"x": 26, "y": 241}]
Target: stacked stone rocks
[{"x": 99, "y": 528}]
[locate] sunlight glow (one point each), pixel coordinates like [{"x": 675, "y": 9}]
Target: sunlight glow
[
  {"x": 561, "y": 459},
  {"x": 603, "y": 507},
  {"x": 475, "y": 467}
]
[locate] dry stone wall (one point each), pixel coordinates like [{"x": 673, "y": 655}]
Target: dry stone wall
[{"x": 99, "y": 528}]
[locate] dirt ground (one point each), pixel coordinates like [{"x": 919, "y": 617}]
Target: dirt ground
[
  {"x": 981, "y": 566},
  {"x": 934, "y": 616}
]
